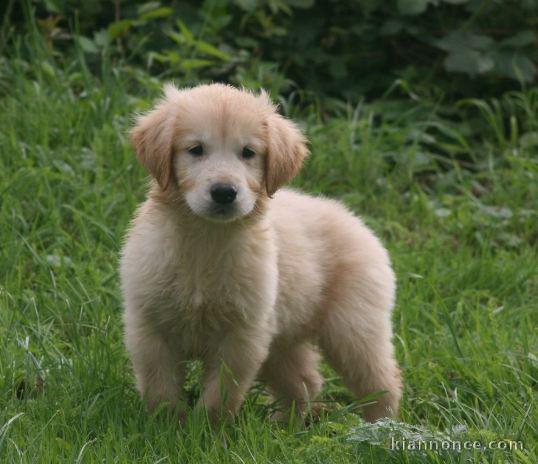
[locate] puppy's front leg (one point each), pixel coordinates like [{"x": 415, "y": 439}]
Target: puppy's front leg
[
  {"x": 159, "y": 369},
  {"x": 230, "y": 371}
]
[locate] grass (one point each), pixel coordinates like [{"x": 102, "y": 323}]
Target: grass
[{"x": 452, "y": 191}]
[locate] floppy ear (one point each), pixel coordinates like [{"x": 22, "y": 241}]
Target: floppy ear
[
  {"x": 152, "y": 140},
  {"x": 285, "y": 152}
]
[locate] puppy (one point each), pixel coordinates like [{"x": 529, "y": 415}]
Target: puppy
[{"x": 220, "y": 265}]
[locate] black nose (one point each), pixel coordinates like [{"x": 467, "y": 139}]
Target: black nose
[{"x": 223, "y": 194}]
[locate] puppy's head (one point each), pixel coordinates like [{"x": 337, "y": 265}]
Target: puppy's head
[{"x": 222, "y": 149}]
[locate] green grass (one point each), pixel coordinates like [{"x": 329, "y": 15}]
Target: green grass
[{"x": 451, "y": 190}]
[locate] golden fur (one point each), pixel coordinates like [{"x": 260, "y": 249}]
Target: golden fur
[{"x": 255, "y": 289}]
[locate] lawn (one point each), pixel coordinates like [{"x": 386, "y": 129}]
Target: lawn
[{"x": 451, "y": 190}]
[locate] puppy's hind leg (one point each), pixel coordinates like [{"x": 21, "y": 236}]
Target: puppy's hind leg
[
  {"x": 357, "y": 343},
  {"x": 291, "y": 374}
]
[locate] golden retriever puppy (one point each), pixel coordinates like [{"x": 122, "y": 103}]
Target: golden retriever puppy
[{"x": 220, "y": 265}]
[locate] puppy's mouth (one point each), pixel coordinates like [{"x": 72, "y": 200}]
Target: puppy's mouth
[
  {"x": 222, "y": 213},
  {"x": 223, "y": 210},
  {"x": 217, "y": 212}
]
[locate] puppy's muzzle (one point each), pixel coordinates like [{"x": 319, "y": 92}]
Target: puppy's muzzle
[{"x": 223, "y": 194}]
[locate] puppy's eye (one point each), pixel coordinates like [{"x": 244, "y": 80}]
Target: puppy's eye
[
  {"x": 248, "y": 153},
  {"x": 196, "y": 150}
]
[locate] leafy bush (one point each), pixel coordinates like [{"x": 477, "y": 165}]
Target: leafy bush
[{"x": 341, "y": 48}]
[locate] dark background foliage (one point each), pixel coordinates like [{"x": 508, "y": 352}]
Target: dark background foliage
[{"x": 343, "y": 49}]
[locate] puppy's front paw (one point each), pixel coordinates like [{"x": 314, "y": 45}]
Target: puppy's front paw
[{"x": 308, "y": 413}]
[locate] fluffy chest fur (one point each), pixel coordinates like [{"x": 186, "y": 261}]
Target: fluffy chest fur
[{"x": 195, "y": 283}]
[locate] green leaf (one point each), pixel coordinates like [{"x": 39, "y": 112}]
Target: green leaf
[
  {"x": 521, "y": 39},
  {"x": 514, "y": 66},
  {"x": 176, "y": 37},
  {"x": 412, "y": 7},
  {"x": 247, "y": 5},
  {"x": 529, "y": 139},
  {"x": 101, "y": 38},
  {"x": 52, "y": 6},
  {"x": 247, "y": 42},
  {"x": 119, "y": 28},
  {"x": 391, "y": 27},
  {"x": 303, "y": 4},
  {"x": 148, "y": 6},
  {"x": 167, "y": 57},
  {"x": 471, "y": 62},
  {"x": 185, "y": 31},
  {"x": 209, "y": 49},
  {"x": 458, "y": 41},
  {"x": 47, "y": 69},
  {"x": 369, "y": 6},
  {"x": 162, "y": 12},
  {"x": 195, "y": 63},
  {"x": 87, "y": 45}
]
